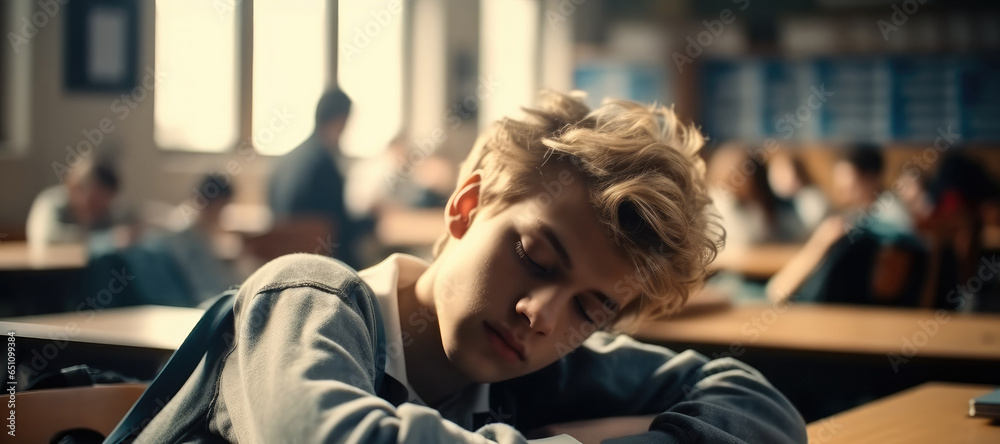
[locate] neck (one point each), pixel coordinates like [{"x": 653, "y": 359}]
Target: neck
[{"x": 428, "y": 369}]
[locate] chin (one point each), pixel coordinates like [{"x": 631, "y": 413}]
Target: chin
[{"x": 479, "y": 368}]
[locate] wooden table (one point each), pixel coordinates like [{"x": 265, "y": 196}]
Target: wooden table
[
  {"x": 16, "y": 255},
  {"x": 147, "y": 326},
  {"x": 934, "y": 412},
  {"x": 838, "y": 329},
  {"x": 758, "y": 261},
  {"x": 33, "y": 282},
  {"x": 830, "y": 358},
  {"x": 133, "y": 341}
]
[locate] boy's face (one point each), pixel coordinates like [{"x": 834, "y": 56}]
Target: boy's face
[{"x": 518, "y": 288}]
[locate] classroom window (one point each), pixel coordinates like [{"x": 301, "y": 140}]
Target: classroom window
[
  {"x": 196, "y": 106},
  {"x": 198, "y": 47},
  {"x": 370, "y": 67}
]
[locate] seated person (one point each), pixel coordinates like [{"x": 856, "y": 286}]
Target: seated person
[
  {"x": 757, "y": 223},
  {"x": 869, "y": 206},
  {"x": 83, "y": 209},
  {"x": 869, "y": 210},
  {"x": 191, "y": 251},
  {"x": 564, "y": 227},
  {"x": 787, "y": 176}
]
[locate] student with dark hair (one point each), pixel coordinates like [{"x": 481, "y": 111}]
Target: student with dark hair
[
  {"x": 870, "y": 213},
  {"x": 858, "y": 182},
  {"x": 308, "y": 182},
  {"x": 83, "y": 209}
]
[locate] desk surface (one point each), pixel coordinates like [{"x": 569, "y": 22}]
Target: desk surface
[
  {"x": 148, "y": 326},
  {"x": 934, "y": 412},
  {"x": 837, "y": 328},
  {"x": 16, "y": 255},
  {"x": 759, "y": 261}
]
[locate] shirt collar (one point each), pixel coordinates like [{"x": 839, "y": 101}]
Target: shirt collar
[{"x": 384, "y": 279}]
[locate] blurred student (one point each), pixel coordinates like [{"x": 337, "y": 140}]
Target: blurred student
[
  {"x": 869, "y": 210},
  {"x": 195, "y": 248},
  {"x": 751, "y": 212},
  {"x": 787, "y": 176},
  {"x": 176, "y": 267},
  {"x": 308, "y": 182},
  {"x": 83, "y": 209},
  {"x": 857, "y": 181}
]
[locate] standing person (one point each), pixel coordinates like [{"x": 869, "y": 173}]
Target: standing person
[{"x": 309, "y": 182}]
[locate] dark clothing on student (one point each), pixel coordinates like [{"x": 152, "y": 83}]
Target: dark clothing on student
[{"x": 308, "y": 182}]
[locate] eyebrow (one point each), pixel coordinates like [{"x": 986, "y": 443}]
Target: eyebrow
[{"x": 564, "y": 256}]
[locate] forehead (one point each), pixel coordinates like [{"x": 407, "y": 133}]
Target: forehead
[{"x": 561, "y": 203}]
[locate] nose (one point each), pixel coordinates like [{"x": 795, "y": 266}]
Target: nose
[{"x": 541, "y": 307}]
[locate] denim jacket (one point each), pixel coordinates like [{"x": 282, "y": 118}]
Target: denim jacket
[{"x": 304, "y": 365}]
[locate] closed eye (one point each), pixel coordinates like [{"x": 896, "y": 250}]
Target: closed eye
[
  {"x": 583, "y": 311},
  {"x": 533, "y": 266}
]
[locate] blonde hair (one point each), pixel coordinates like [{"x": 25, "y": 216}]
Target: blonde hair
[{"x": 644, "y": 179}]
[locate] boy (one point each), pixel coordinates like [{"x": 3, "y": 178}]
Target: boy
[{"x": 562, "y": 224}]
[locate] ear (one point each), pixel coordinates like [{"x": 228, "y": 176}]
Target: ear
[{"x": 462, "y": 205}]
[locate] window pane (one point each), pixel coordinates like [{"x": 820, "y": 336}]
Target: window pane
[
  {"x": 195, "y": 105},
  {"x": 370, "y": 68},
  {"x": 289, "y": 71}
]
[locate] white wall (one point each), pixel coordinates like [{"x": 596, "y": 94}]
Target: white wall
[{"x": 59, "y": 117}]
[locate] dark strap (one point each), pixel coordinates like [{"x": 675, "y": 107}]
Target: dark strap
[{"x": 176, "y": 372}]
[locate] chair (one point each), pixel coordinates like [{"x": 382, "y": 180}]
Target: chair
[
  {"x": 866, "y": 269},
  {"x": 44, "y": 415}
]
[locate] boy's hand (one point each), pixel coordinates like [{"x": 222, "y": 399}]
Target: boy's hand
[{"x": 596, "y": 430}]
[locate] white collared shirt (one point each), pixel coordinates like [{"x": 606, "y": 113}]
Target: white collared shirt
[{"x": 384, "y": 279}]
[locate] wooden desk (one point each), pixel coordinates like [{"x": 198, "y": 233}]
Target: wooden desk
[
  {"x": 148, "y": 326},
  {"x": 829, "y": 358},
  {"x": 934, "y": 412},
  {"x": 837, "y": 329},
  {"x": 17, "y": 256},
  {"x": 759, "y": 261},
  {"x": 133, "y": 341}
]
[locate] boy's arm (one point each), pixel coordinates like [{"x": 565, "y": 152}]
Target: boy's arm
[
  {"x": 302, "y": 370},
  {"x": 694, "y": 399}
]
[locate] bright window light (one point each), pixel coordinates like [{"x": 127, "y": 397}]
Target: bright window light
[
  {"x": 290, "y": 60},
  {"x": 370, "y": 67},
  {"x": 196, "y": 107}
]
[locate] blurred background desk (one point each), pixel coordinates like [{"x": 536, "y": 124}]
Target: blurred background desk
[
  {"x": 38, "y": 281},
  {"x": 828, "y": 358},
  {"x": 134, "y": 341},
  {"x": 16, "y": 256},
  {"x": 931, "y": 412}
]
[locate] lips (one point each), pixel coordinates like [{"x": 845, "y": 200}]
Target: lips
[{"x": 505, "y": 342}]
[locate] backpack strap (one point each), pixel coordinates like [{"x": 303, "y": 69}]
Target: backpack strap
[{"x": 178, "y": 368}]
